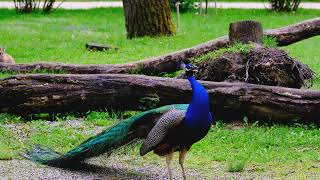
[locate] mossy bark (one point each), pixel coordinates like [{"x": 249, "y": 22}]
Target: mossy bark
[{"x": 148, "y": 18}]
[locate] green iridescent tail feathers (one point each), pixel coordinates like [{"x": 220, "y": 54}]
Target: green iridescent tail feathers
[{"x": 105, "y": 142}]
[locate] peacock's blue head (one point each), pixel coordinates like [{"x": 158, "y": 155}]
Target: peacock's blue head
[{"x": 190, "y": 70}]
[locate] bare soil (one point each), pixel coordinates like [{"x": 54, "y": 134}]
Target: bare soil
[{"x": 104, "y": 169}]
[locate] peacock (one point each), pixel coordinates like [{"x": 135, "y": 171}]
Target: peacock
[{"x": 164, "y": 131}]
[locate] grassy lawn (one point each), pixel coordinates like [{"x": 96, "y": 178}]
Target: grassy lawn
[
  {"x": 61, "y": 37},
  {"x": 244, "y": 148}
]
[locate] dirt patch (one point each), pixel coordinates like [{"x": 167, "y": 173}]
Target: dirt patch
[
  {"x": 111, "y": 168},
  {"x": 266, "y": 66}
]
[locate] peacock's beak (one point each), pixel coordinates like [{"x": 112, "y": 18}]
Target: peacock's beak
[{"x": 183, "y": 66}]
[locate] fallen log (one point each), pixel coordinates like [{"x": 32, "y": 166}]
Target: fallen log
[
  {"x": 170, "y": 62},
  {"x": 162, "y": 64},
  {"x": 28, "y": 94},
  {"x": 296, "y": 32}
]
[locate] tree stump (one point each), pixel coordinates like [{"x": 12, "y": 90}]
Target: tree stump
[
  {"x": 245, "y": 32},
  {"x": 257, "y": 64},
  {"x": 148, "y": 18}
]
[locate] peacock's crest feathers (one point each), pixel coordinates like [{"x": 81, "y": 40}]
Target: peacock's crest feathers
[{"x": 105, "y": 142}]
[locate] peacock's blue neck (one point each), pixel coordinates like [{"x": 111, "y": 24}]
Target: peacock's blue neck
[{"x": 198, "y": 113}]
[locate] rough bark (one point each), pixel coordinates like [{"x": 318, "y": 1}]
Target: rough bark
[
  {"x": 148, "y": 18},
  {"x": 27, "y": 94},
  {"x": 171, "y": 62},
  {"x": 245, "y": 32}
]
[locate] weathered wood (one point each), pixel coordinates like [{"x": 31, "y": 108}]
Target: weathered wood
[
  {"x": 27, "y": 94},
  {"x": 245, "y": 32},
  {"x": 65, "y": 68},
  {"x": 148, "y": 18},
  {"x": 162, "y": 64},
  {"x": 171, "y": 62}
]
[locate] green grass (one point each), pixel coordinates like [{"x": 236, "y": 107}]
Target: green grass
[
  {"x": 62, "y": 134},
  {"x": 61, "y": 36},
  {"x": 101, "y": 118},
  {"x": 59, "y": 135},
  {"x": 261, "y": 144},
  {"x": 236, "y": 165},
  {"x": 252, "y": 147},
  {"x": 242, "y": 48},
  {"x": 9, "y": 144}
]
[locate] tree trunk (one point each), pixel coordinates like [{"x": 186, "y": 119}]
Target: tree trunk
[
  {"x": 148, "y": 18},
  {"x": 245, "y": 32},
  {"x": 171, "y": 62},
  {"x": 27, "y": 94}
]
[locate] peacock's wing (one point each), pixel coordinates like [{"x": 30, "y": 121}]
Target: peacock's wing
[
  {"x": 123, "y": 133},
  {"x": 167, "y": 121}
]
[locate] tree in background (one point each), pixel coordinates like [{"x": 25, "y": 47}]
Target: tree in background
[
  {"x": 148, "y": 18},
  {"x": 284, "y": 5}
]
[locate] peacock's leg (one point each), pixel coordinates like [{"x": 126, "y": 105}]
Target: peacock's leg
[
  {"x": 168, "y": 159},
  {"x": 182, "y": 157}
]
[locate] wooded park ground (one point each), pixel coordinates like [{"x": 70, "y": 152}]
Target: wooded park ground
[{"x": 229, "y": 151}]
